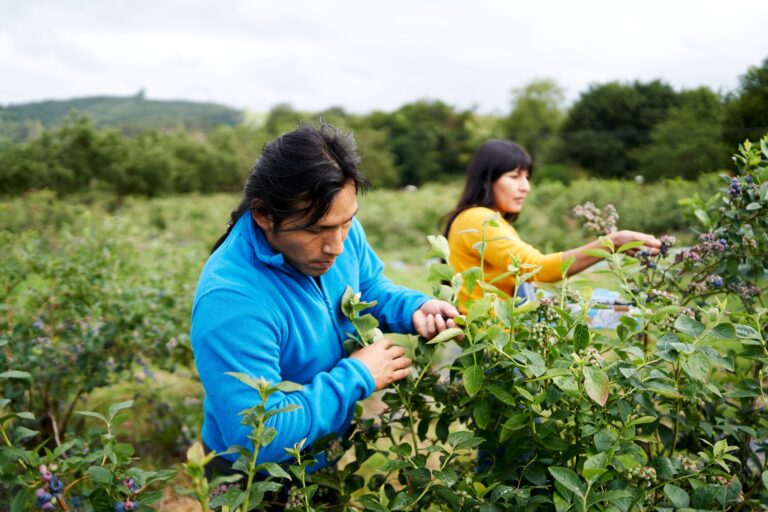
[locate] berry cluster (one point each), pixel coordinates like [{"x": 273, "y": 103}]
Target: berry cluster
[
  {"x": 644, "y": 476},
  {"x": 295, "y": 499},
  {"x": 125, "y": 506},
  {"x": 334, "y": 451},
  {"x": 667, "y": 241},
  {"x": 592, "y": 355},
  {"x": 661, "y": 294},
  {"x": 746, "y": 291},
  {"x": 543, "y": 335},
  {"x": 128, "y": 504},
  {"x": 709, "y": 245},
  {"x": 597, "y": 221},
  {"x": 688, "y": 464},
  {"x": 734, "y": 189},
  {"x": 47, "y": 496},
  {"x": 714, "y": 282},
  {"x": 545, "y": 312}
]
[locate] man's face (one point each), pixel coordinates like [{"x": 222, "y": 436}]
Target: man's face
[{"x": 312, "y": 250}]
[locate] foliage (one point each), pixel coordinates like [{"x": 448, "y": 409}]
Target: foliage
[
  {"x": 76, "y": 475},
  {"x": 77, "y": 157},
  {"x": 609, "y": 121},
  {"x": 78, "y": 314},
  {"x": 666, "y": 412},
  {"x": 746, "y": 112},
  {"x": 429, "y": 140},
  {"x": 688, "y": 141},
  {"x": 537, "y": 113}
]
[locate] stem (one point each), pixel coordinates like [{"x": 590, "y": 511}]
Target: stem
[
  {"x": 252, "y": 468},
  {"x": 677, "y": 412}
]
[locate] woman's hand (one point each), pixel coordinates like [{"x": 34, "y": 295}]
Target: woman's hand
[
  {"x": 650, "y": 242},
  {"x": 433, "y": 317},
  {"x": 385, "y": 361}
]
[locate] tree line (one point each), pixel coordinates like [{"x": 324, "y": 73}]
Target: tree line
[{"x": 613, "y": 130}]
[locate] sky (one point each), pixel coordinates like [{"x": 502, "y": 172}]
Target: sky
[{"x": 365, "y": 56}]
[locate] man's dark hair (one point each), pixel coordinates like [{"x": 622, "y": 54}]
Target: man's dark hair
[
  {"x": 492, "y": 159},
  {"x": 298, "y": 175}
]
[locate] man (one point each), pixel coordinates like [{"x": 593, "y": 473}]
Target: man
[{"x": 268, "y": 300}]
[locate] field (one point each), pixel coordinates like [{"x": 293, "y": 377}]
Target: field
[{"x": 96, "y": 296}]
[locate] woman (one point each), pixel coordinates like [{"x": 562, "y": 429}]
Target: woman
[{"x": 498, "y": 182}]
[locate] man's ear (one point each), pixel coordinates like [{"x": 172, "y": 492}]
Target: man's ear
[{"x": 262, "y": 220}]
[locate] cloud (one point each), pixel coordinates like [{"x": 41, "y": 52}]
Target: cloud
[{"x": 366, "y": 56}]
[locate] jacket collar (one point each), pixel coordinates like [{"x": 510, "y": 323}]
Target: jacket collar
[{"x": 261, "y": 248}]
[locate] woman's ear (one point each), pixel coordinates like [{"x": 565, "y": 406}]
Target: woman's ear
[{"x": 262, "y": 220}]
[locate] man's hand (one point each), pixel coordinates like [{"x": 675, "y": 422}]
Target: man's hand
[
  {"x": 432, "y": 317},
  {"x": 385, "y": 362}
]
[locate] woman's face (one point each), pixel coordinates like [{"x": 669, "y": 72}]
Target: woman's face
[{"x": 510, "y": 189}]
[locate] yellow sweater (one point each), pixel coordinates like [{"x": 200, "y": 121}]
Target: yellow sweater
[{"x": 503, "y": 242}]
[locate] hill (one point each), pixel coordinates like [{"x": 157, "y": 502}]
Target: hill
[{"x": 129, "y": 114}]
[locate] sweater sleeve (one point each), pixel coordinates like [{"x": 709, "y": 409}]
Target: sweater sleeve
[
  {"x": 231, "y": 333},
  {"x": 503, "y": 243},
  {"x": 395, "y": 304}
]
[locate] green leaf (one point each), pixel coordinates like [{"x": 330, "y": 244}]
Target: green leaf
[
  {"x": 753, "y": 206},
  {"x": 568, "y": 479},
  {"x": 535, "y": 363},
  {"x": 689, "y": 326},
  {"x": 15, "y": 374},
  {"x": 765, "y": 479},
  {"x": 677, "y": 496},
  {"x": 513, "y": 423},
  {"x": 580, "y": 335},
  {"x": 286, "y": 386},
  {"x": 605, "y": 439},
  {"x": 21, "y": 433},
  {"x": 597, "y": 253},
  {"x": 502, "y": 394},
  {"x": 439, "y": 247},
  {"x": 255, "y": 383},
  {"x": 478, "y": 309},
  {"x": 724, "y": 331},
  {"x": 439, "y": 272},
  {"x": 473, "y": 379},
  {"x": 482, "y": 413},
  {"x": 101, "y": 475},
  {"x": 371, "y": 502},
  {"x": 594, "y": 467},
  {"x": 273, "y": 469},
  {"x": 697, "y": 367},
  {"x": 115, "y": 408},
  {"x": 630, "y": 245},
  {"x": 447, "y": 334},
  {"x": 746, "y": 332},
  {"x": 596, "y": 384}
]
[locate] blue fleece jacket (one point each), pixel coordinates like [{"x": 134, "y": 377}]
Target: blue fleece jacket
[{"x": 255, "y": 313}]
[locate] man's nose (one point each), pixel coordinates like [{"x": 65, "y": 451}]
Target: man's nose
[{"x": 334, "y": 243}]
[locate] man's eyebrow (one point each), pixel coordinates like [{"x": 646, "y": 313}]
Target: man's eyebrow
[{"x": 343, "y": 222}]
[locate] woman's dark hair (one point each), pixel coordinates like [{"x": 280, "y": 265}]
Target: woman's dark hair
[
  {"x": 298, "y": 175},
  {"x": 492, "y": 159}
]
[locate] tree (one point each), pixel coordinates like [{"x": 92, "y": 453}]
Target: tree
[
  {"x": 537, "y": 113},
  {"x": 746, "y": 112},
  {"x": 428, "y": 140},
  {"x": 611, "y": 120},
  {"x": 689, "y": 141}
]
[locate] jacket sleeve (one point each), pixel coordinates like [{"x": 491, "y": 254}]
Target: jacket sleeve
[
  {"x": 504, "y": 243},
  {"x": 230, "y": 333},
  {"x": 395, "y": 304}
]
